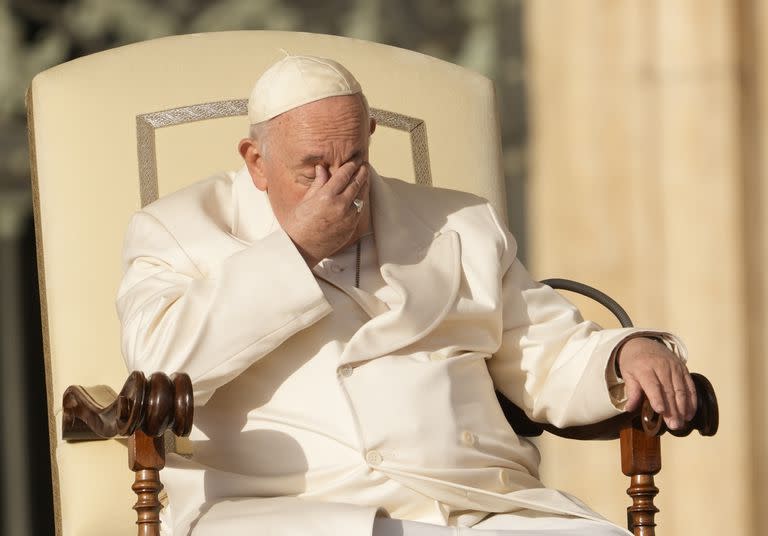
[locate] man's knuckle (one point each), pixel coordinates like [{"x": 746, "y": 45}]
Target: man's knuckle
[{"x": 655, "y": 384}]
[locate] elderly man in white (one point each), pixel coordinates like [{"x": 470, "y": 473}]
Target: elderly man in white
[{"x": 345, "y": 332}]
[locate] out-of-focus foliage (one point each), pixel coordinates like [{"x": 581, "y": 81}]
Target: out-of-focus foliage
[{"x": 36, "y": 34}]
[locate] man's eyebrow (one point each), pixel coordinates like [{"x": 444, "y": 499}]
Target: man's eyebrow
[
  {"x": 311, "y": 159},
  {"x": 318, "y": 159}
]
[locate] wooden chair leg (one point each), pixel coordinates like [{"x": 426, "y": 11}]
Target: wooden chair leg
[
  {"x": 640, "y": 460},
  {"x": 146, "y": 456}
]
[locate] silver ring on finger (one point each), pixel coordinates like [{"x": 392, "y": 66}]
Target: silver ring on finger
[{"x": 358, "y": 204}]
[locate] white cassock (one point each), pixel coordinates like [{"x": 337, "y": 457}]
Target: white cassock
[{"x": 320, "y": 406}]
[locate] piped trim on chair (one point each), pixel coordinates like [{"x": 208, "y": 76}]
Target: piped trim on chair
[
  {"x": 417, "y": 129},
  {"x": 52, "y": 436},
  {"x": 146, "y": 124}
]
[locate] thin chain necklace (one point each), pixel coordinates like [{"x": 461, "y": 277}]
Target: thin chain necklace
[
  {"x": 357, "y": 265},
  {"x": 358, "y": 256}
]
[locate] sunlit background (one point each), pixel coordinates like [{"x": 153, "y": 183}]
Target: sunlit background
[{"x": 632, "y": 133}]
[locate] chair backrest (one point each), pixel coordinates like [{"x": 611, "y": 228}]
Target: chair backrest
[{"x": 112, "y": 131}]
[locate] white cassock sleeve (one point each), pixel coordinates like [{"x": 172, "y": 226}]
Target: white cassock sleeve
[
  {"x": 211, "y": 326},
  {"x": 551, "y": 362}
]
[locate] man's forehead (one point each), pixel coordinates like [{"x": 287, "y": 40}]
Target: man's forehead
[
  {"x": 320, "y": 134},
  {"x": 296, "y": 81},
  {"x": 305, "y": 152}
]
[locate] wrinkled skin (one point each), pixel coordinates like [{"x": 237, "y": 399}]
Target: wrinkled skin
[{"x": 649, "y": 367}]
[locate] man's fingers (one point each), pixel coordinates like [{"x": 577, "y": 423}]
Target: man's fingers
[
  {"x": 672, "y": 416},
  {"x": 633, "y": 393},
  {"x": 663, "y": 378},
  {"x": 682, "y": 396},
  {"x": 321, "y": 177},
  {"x": 693, "y": 401},
  {"x": 356, "y": 185},
  {"x": 341, "y": 177},
  {"x": 653, "y": 391},
  {"x": 321, "y": 174}
]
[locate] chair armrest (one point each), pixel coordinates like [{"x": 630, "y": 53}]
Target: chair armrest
[
  {"x": 150, "y": 406},
  {"x": 706, "y": 420},
  {"x": 144, "y": 410}
]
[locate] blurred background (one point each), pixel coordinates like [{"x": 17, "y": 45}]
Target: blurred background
[{"x": 632, "y": 134}]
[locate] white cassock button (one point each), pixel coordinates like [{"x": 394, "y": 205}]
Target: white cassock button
[
  {"x": 335, "y": 268},
  {"x": 346, "y": 371},
  {"x": 505, "y": 477},
  {"x": 468, "y": 438},
  {"x": 436, "y": 356},
  {"x": 373, "y": 457}
]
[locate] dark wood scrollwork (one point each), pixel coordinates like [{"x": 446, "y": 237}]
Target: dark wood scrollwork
[
  {"x": 143, "y": 411},
  {"x": 150, "y": 406}
]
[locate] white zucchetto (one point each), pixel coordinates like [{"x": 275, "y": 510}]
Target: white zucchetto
[{"x": 297, "y": 80}]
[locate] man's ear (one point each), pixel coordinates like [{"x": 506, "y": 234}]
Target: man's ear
[
  {"x": 373, "y": 126},
  {"x": 254, "y": 161}
]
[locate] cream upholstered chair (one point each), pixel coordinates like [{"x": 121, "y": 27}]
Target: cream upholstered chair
[{"x": 111, "y": 132}]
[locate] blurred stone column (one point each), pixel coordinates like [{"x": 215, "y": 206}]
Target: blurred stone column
[
  {"x": 753, "y": 14},
  {"x": 636, "y": 186},
  {"x": 15, "y": 507}
]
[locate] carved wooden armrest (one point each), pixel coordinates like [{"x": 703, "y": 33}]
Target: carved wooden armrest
[
  {"x": 639, "y": 432},
  {"x": 706, "y": 420},
  {"x": 143, "y": 411}
]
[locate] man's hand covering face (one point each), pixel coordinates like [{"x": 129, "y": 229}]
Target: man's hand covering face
[{"x": 326, "y": 218}]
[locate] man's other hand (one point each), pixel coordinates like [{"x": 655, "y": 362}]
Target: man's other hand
[
  {"x": 326, "y": 219},
  {"x": 648, "y": 366}
]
